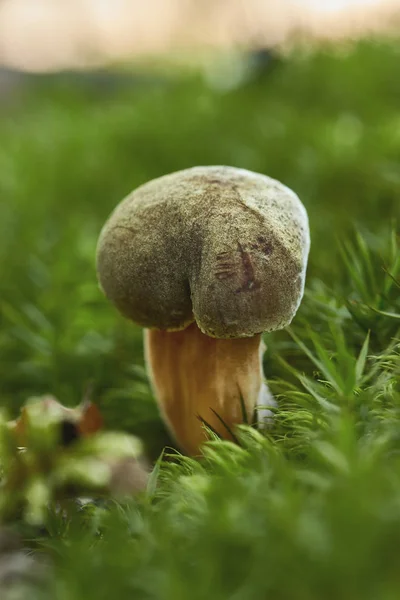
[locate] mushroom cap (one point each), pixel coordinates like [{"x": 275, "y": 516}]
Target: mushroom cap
[{"x": 221, "y": 246}]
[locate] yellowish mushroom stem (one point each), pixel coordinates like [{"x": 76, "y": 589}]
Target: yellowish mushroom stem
[{"x": 196, "y": 377}]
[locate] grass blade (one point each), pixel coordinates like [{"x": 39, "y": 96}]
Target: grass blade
[{"x": 361, "y": 360}]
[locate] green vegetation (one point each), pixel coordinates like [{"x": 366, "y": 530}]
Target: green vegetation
[{"x": 313, "y": 510}]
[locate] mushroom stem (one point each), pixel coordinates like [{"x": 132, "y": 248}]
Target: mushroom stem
[{"x": 196, "y": 377}]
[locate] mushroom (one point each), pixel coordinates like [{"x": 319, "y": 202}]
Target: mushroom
[{"x": 206, "y": 259}]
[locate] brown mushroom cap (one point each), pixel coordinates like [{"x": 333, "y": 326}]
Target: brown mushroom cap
[{"x": 218, "y": 245}]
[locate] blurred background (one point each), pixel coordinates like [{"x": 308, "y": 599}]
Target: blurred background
[
  {"x": 42, "y": 35},
  {"x": 99, "y": 96}
]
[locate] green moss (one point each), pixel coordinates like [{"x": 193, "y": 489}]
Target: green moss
[{"x": 312, "y": 511}]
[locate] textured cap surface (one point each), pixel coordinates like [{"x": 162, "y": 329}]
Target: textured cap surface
[{"x": 222, "y": 246}]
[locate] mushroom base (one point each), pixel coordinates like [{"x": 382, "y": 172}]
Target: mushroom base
[{"x": 198, "y": 379}]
